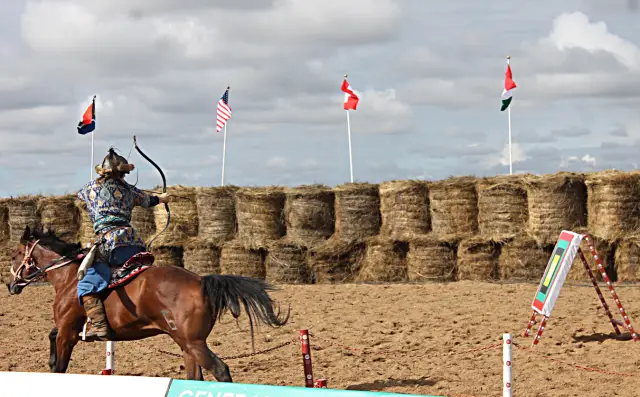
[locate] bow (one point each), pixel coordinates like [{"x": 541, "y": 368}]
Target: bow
[{"x": 164, "y": 189}]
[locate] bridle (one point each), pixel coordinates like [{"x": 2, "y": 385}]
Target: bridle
[{"x": 29, "y": 263}]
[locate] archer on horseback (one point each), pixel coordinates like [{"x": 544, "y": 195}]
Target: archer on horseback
[{"x": 110, "y": 201}]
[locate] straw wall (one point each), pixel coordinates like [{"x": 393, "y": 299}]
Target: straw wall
[
  {"x": 384, "y": 260},
  {"x": 216, "y": 213},
  {"x": 502, "y": 207},
  {"x": 184, "y": 216},
  {"x": 309, "y": 214},
  {"x": 478, "y": 259},
  {"x": 201, "y": 257},
  {"x": 286, "y": 263},
  {"x": 238, "y": 260},
  {"x": 23, "y": 212},
  {"x": 60, "y": 214},
  {"x": 260, "y": 216},
  {"x": 357, "y": 211},
  {"x": 404, "y": 208},
  {"x": 523, "y": 259},
  {"x": 454, "y": 207},
  {"x": 430, "y": 259}
]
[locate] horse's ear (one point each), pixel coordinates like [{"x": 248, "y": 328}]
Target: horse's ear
[{"x": 26, "y": 235}]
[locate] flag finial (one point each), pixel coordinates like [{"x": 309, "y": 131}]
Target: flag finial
[
  {"x": 228, "y": 87},
  {"x": 508, "y": 56},
  {"x": 345, "y": 75}
]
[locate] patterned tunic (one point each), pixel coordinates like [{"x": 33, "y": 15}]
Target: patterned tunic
[{"x": 110, "y": 206}]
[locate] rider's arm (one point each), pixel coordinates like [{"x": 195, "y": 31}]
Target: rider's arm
[{"x": 144, "y": 199}]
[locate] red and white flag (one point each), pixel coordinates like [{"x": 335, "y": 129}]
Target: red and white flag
[{"x": 350, "y": 98}]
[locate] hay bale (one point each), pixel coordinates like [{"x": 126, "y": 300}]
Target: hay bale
[
  {"x": 454, "y": 208},
  {"x": 627, "y": 260},
  {"x": 522, "y": 259},
  {"x": 556, "y": 202},
  {"x": 384, "y": 260},
  {"x": 144, "y": 223},
  {"x": 216, "y": 213},
  {"x": 606, "y": 253},
  {"x": 23, "y": 212},
  {"x": 201, "y": 256},
  {"x": 60, "y": 214},
  {"x": 502, "y": 207},
  {"x": 613, "y": 206},
  {"x": 357, "y": 209},
  {"x": 430, "y": 259},
  {"x": 286, "y": 263},
  {"x": 166, "y": 254},
  {"x": 184, "y": 216},
  {"x": 478, "y": 259},
  {"x": 4, "y": 222},
  {"x": 86, "y": 234},
  {"x": 404, "y": 209},
  {"x": 309, "y": 214},
  {"x": 5, "y": 262},
  {"x": 336, "y": 261},
  {"x": 260, "y": 216},
  {"x": 236, "y": 259}
]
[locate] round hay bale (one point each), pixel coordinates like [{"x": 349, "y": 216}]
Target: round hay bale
[
  {"x": 454, "y": 207},
  {"x": 260, "y": 216},
  {"x": 335, "y": 261},
  {"x": 627, "y": 260},
  {"x": 236, "y": 259},
  {"x": 384, "y": 260},
  {"x": 430, "y": 259},
  {"x": 404, "y": 209},
  {"x": 60, "y": 214},
  {"x": 286, "y": 263},
  {"x": 184, "y": 215},
  {"x": 216, "y": 213},
  {"x": 309, "y": 214},
  {"x": 143, "y": 222},
  {"x": 167, "y": 255},
  {"x": 502, "y": 207},
  {"x": 23, "y": 212},
  {"x": 4, "y": 222},
  {"x": 522, "y": 259},
  {"x": 201, "y": 257},
  {"x": 5, "y": 262},
  {"x": 556, "y": 202},
  {"x": 478, "y": 259},
  {"x": 357, "y": 209},
  {"x": 613, "y": 204},
  {"x": 86, "y": 234}
]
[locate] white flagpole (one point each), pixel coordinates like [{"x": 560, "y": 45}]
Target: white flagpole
[
  {"x": 509, "y": 118},
  {"x": 224, "y": 151},
  {"x": 91, "y": 166},
  {"x": 350, "y": 155}
]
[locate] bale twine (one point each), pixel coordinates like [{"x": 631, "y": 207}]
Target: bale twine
[
  {"x": 4, "y": 222},
  {"x": 454, "y": 207},
  {"x": 309, "y": 214},
  {"x": 357, "y": 209},
  {"x": 627, "y": 259},
  {"x": 502, "y": 207},
  {"x": 522, "y": 259},
  {"x": 184, "y": 216},
  {"x": 216, "y": 213},
  {"x": 478, "y": 259},
  {"x": 430, "y": 259},
  {"x": 404, "y": 209},
  {"x": 60, "y": 214},
  {"x": 384, "y": 260},
  {"x": 85, "y": 232},
  {"x": 144, "y": 223},
  {"x": 236, "y": 259},
  {"x": 23, "y": 212},
  {"x": 201, "y": 256},
  {"x": 260, "y": 216},
  {"x": 613, "y": 204},
  {"x": 286, "y": 263},
  {"x": 335, "y": 261},
  {"x": 556, "y": 202}
]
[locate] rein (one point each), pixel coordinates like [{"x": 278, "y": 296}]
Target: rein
[{"x": 29, "y": 263}]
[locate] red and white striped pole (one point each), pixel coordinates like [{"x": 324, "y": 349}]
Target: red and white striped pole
[
  {"x": 110, "y": 367},
  {"x": 306, "y": 358},
  {"x": 507, "y": 361}
]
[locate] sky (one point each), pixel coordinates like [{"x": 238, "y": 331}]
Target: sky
[{"x": 429, "y": 75}]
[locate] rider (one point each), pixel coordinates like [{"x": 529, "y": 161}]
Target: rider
[{"x": 110, "y": 201}]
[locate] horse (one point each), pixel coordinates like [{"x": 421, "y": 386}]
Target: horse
[{"x": 166, "y": 300}]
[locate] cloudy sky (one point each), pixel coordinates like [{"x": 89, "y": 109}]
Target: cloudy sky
[{"x": 429, "y": 75}]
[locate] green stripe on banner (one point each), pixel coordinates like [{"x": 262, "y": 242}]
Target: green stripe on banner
[{"x": 190, "y": 388}]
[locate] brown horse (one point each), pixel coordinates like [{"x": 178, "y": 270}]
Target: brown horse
[{"x": 160, "y": 300}]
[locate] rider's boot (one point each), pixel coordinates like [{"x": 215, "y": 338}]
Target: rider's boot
[{"x": 94, "y": 308}]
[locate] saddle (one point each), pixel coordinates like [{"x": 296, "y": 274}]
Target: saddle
[{"x": 133, "y": 267}]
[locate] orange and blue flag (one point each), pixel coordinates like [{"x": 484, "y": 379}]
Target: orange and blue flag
[{"x": 88, "y": 122}]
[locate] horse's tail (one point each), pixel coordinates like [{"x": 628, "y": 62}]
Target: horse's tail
[{"x": 227, "y": 292}]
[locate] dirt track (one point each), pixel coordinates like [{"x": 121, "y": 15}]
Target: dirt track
[{"x": 405, "y": 334}]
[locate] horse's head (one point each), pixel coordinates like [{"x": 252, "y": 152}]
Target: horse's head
[{"x": 22, "y": 262}]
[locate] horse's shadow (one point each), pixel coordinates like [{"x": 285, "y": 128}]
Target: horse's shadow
[
  {"x": 379, "y": 385},
  {"x": 600, "y": 337}
]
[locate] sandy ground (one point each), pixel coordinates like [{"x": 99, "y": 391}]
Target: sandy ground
[{"x": 395, "y": 338}]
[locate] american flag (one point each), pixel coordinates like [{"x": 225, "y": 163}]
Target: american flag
[{"x": 223, "y": 113}]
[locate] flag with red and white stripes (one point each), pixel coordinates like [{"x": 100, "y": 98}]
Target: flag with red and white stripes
[
  {"x": 350, "y": 98},
  {"x": 223, "y": 113}
]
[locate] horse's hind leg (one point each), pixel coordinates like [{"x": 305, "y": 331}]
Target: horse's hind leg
[
  {"x": 194, "y": 371},
  {"x": 52, "y": 348},
  {"x": 208, "y": 360}
]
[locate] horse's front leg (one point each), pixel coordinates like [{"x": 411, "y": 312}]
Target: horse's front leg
[
  {"x": 52, "y": 348},
  {"x": 66, "y": 340}
]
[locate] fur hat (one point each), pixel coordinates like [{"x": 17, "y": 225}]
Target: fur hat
[{"x": 113, "y": 165}]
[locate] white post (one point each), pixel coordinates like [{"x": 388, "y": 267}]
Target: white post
[
  {"x": 111, "y": 350},
  {"x": 91, "y": 167},
  {"x": 507, "y": 361},
  {"x": 350, "y": 155},
  {"x": 509, "y": 117},
  {"x": 224, "y": 152}
]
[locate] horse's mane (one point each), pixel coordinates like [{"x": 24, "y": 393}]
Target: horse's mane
[{"x": 50, "y": 240}]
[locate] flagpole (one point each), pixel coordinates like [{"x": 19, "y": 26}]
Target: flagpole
[
  {"x": 349, "y": 136},
  {"x": 509, "y": 118},
  {"x": 224, "y": 151},
  {"x": 91, "y": 166}
]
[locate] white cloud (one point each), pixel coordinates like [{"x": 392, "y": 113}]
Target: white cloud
[
  {"x": 277, "y": 162},
  {"x": 518, "y": 155}
]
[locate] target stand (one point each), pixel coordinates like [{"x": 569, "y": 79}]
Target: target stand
[{"x": 566, "y": 249}]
